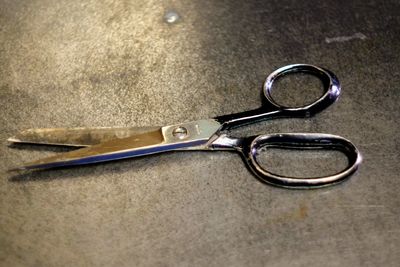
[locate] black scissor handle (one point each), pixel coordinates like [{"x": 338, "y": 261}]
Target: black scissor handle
[
  {"x": 252, "y": 145},
  {"x": 271, "y": 109}
]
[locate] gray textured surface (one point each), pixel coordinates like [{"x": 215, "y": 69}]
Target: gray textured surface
[{"x": 92, "y": 63}]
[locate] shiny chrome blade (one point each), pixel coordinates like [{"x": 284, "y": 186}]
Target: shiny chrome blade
[
  {"x": 78, "y": 137},
  {"x": 174, "y": 137}
]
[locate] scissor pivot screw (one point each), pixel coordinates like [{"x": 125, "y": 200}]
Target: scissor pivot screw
[{"x": 180, "y": 132}]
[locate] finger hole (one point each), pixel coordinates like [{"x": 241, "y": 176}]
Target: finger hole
[
  {"x": 311, "y": 171},
  {"x": 300, "y": 163},
  {"x": 294, "y": 90}
]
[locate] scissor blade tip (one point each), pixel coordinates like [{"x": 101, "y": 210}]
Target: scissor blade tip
[
  {"x": 13, "y": 140},
  {"x": 18, "y": 168}
]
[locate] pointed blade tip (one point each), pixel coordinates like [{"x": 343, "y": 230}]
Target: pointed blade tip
[
  {"x": 17, "y": 169},
  {"x": 13, "y": 139}
]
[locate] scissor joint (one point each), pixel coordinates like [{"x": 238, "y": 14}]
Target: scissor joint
[{"x": 190, "y": 131}]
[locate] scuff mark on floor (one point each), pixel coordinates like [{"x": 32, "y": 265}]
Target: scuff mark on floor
[{"x": 340, "y": 39}]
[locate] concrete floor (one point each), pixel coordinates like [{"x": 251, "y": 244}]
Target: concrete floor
[{"x": 119, "y": 63}]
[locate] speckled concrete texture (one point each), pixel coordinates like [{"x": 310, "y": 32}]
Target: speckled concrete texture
[{"x": 118, "y": 63}]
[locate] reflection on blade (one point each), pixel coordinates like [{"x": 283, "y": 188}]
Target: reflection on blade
[
  {"x": 173, "y": 137},
  {"x": 79, "y": 137},
  {"x": 111, "y": 150}
]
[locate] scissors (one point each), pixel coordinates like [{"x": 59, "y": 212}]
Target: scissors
[{"x": 107, "y": 144}]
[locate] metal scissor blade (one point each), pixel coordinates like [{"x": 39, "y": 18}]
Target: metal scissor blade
[
  {"x": 109, "y": 150},
  {"x": 78, "y": 137},
  {"x": 174, "y": 137}
]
